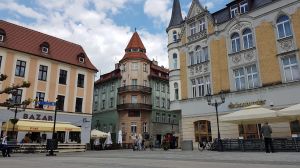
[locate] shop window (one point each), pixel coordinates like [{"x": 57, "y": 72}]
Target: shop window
[
  {"x": 202, "y": 131},
  {"x": 250, "y": 131},
  {"x": 20, "y": 68},
  {"x": 295, "y": 127}
]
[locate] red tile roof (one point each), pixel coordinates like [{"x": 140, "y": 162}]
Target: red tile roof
[
  {"x": 135, "y": 42},
  {"x": 109, "y": 76},
  {"x": 159, "y": 72},
  {"x": 28, "y": 41}
]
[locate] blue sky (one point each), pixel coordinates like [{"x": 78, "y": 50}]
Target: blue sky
[{"x": 102, "y": 27}]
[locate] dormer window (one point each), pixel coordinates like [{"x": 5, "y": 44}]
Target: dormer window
[
  {"x": 234, "y": 10},
  {"x": 81, "y": 58},
  {"x": 244, "y": 7},
  {"x": 45, "y": 47},
  {"x": 2, "y": 35}
]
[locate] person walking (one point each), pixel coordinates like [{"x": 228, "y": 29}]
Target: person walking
[
  {"x": 5, "y": 148},
  {"x": 266, "y": 132}
]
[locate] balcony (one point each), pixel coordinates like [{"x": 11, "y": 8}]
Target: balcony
[
  {"x": 134, "y": 88},
  {"x": 197, "y": 36},
  {"x": 134, "y": 106}
]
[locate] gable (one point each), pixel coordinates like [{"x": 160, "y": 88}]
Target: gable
[{"x": 195, "y": 9}]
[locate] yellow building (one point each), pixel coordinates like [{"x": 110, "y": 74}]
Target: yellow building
[
  {"x": 249, "y": 49},
  {"x": 56, "y": 69}
]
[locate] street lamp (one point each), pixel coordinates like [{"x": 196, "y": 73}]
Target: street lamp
[
  {"x": 216, "y": 104},
  {"x": 52, "y": 144}
]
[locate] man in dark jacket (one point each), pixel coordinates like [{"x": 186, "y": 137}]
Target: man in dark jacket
[
  {"x": 5, "y": 148},
  {"x": 266, "y": 131}
]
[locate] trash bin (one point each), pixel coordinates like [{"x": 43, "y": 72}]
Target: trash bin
[
  {"x": 187, "y": 145},
  {"x": 52, "y": 144}
]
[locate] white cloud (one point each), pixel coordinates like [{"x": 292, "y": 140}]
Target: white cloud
[
  {"x": 86, "y": 23},
  {"x": 159, "y": 10}
]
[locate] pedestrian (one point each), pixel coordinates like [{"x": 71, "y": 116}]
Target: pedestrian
[
  {"x": 266, "y": 132},
  {"x": 5, "y": 148}
]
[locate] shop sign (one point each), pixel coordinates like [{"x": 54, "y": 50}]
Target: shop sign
[
  {"x": 246, "y": 104},
  {"x": 37, "y": 117}
]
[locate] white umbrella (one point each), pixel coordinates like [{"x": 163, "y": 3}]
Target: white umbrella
[
  {"x": 98, "y": 134},
  {"x": 120, "y": 137},
  {"x": 251, "y": 115},
  {"x": 292, "y": 112},
  {"x": 108, "y": 140}
]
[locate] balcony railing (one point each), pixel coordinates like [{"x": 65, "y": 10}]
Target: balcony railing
[
  {"x": 134, "y": 106},
  {"x": 135, "y": 88}
]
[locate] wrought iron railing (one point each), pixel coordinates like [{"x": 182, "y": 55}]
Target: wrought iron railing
[
  {"x": 136, "y": 88},
  {"x": 134, "y": 106}
]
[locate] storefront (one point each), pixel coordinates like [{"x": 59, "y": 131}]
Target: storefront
[{"x": 38, "y": 124}]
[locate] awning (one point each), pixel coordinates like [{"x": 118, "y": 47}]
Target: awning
[
  {"x": 98, "y": 134},
  {"x": 291, "y": 113},
  {"x": 254, "y": 114},
  {"x": 40, "y": 126}
]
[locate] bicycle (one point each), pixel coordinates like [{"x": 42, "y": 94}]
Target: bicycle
[{"x": 205, "y": 145}]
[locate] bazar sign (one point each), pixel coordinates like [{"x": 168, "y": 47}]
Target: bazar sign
[
  {"x": 245, "y": 104},
  {"x": 37, "y": 117}
]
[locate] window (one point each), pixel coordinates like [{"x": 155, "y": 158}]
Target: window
[
  {"x": 103, "y": 104},
  {"x": 205, "y": 54},
  {"x": 244, "y": 7},
  {"x": 145, "y": 67},
  {"x": 163, "y": 89},
  {"x": 201, "y": 87},
  {"x": 1, "y": 38},
  {"x": 60, "y": 102},
  {"x": 2, "y": 35},
  {"x": 234, "y": 10},
  {"x": 124, "y": 82},
  {"x": 198, "y": 55},
  {"x": 157, "y": 86},
  {"x": 239, "y": 79},
  {"x": 176, "y": 91},
  {"x": 235, "y": 43},
  {"x": 246, "y": 78},
  {"x": 290, "y": 68},
  {"x": 145, "y": 127},
  {"x": 163, "y": 118},
  {"x": 20, "y": 68},
  {"x": 145, "y": 82},
  {"x": 144, "y": 99},
  {"x": 17, "y": 96},
  {"x": 133, "y": 99},
  {"x": 135, "y": 66},
  {"x": 174, "y": 119},
  {"x": 168, "y": 104},
  {"x": 174, "y": 36},
  {"x": 295, "y": 127},
  {"x": 80, "y": 80},
  {"x": 157, "y": 117},
  {"x": 202, "y": 131},
  {"x": 163, "y": 102},
  {"x": 169, "y": 118},
  {"x": 111, "y": 102},
  {"x": 157, "y": 102},
  {"x": 40, "y": 97},
  {"x": 252, "y": 76},
  {"x": 249, "y": 131},
  {"x": 123, "y": 99},
  {"x": 112, "y": 87},
  {"x": 247, "y": 38},
  {"x": 43, "y": 72},
  {"x": 192, "y": 59},
  {"x": 45, "y": 49},
  {"x": 202, "y": 25},
  {"x": 81, "y": 59},
  {"x": 175, "y": 61},
  {"x": 133, "y": 81},
  {"x": 208, "y": 86},
  {"x": 283, "y": 27},
  {"x": 134, "y": 113},
  {"x": 78, "y": 107},
  {"x": 194, "y": 92},
  {"x": 133, "y": 128},
  {"x": 63, "y": 76},
  {"x": 193, "y": 28}
]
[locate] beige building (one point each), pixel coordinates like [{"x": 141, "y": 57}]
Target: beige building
[
  {"x": 249, "y": 49},
  {"x": 56, "y": 69}
]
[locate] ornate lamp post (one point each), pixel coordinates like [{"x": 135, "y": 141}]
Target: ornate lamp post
[{"x": 215, "y": 103}]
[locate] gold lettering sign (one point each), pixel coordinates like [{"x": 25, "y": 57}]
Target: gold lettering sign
[{"x": 246, "y": 104}]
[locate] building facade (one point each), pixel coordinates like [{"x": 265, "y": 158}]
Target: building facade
[
  {"x": 57, "y": 70},
  {"x": 134, "y": 97},
  {"x": 249, "y": 49}
]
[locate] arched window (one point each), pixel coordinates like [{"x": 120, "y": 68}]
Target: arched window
[
  {"x": 247, "y": 38},
  {"x": 235, "y": 43},
  {"x": 176, "y": 91},
  {"x": 175, "y": 61},
  {"x": 283, "y": 27},
  {"x": 174, "y": 36}
]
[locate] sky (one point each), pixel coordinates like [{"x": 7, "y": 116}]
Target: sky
[{"x": 102, "y": 27}]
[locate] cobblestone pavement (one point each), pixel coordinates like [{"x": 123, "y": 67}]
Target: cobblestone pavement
[{"x": 154, "y": 159}]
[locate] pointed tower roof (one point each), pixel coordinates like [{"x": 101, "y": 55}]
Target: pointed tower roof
[
  {"x": 135, "y": 48},
  {"x": 176, "y": 18}
]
